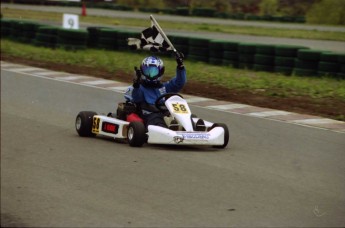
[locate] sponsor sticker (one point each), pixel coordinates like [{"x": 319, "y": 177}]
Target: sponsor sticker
[
  {"x": 110, "y": 128},
  {"x": 196, "y": 136}
]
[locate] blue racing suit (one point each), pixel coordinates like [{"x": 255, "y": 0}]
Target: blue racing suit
[{"x": 147, "y": 95}]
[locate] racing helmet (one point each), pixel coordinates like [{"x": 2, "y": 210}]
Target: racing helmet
[{"x": 152, "y": 69}]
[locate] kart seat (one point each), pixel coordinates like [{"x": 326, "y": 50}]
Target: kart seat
[{"x": 200, "y": 125}]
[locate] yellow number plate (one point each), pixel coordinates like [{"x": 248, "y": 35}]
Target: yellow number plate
[
  {"x": 95, "y": 125},
  {"x": 180, "y": 108}
]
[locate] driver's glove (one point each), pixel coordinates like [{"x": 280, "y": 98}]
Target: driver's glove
[
  {"x": 179, "y": 59},
  {"x": 136, "y": 80}
]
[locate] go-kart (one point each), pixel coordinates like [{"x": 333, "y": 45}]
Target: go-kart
[{"x": 183, "y": 127}]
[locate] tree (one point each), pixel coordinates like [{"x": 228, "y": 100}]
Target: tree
[
  {"x": 295, "y": 7},
  {"x": 268, "y": 7},
  {"x": 142, "y": 3},
  {"x": 221, "y": 6},
  {"x": 327, "y": 12}
]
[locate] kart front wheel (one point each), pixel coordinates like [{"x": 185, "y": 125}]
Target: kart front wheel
[
  {"x": 226, "y": 135},
  {"x": 136, "y": 134},
  {"x": 83, "y": 123}
]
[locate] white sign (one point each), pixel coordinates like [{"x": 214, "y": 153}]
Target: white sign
[{"x": 70, "y": 21}]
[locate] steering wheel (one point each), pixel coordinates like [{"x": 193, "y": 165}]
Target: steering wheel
[{"x": 165, "y": 96}]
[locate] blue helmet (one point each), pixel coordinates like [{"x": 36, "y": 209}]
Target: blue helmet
[{"x": 152, "y": 69}]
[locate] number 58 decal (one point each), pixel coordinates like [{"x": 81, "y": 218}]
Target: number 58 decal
[{"x": 180, "y": 108}]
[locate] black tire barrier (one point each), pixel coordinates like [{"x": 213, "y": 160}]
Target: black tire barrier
[
  {"x": 231, "y": 46},
  {"x": 264, "y": 60},
  {"x": 260, "y": 67},
  {"x": 342, "y": 68},
  {"x": 341, "y": 58},
  {"x": 230, "y": 63},
  {"x": 287, "y": 50},
  {"x": 341, "y": 75},
  {"x": 328, "y": 67},
  {"x": 72, "y": 39},
  {"x": 198, "y": 42},
  {"x": 198, "y": 49},
  {"x": 217, "y": 45},
  {"x": 46, "y": 36},
  {"x": 5, "y": 27},
  {"x": 308, "y": 55},
  {"x": 304, "y": 72},
  {"x": 94, "y": 33},
  {"x": 107, "y": 39},
  {"x": 303, "y": 64},
  {"x": 181, "y": 43},
  {"x": 283, "y": 70},
  {"x": 285, "y": 59},
  {"x": 229, "y": 55},
  {"x": 216, "y": 61},
  {"x": 246, "y": 56},
  {"x": 183, "y": 49},
  {"x": 198, "y": 58},
  {"x": 329, "y": 57},
  {"x": 247, "y": 48},
  {"x": 264, "y": 49}
]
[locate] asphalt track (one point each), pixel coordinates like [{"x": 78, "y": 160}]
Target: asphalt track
[
  {"x": 325, "y": 45},
  {"x": 273, "y": 174}
]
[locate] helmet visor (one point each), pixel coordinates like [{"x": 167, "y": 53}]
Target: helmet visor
[{"x": 150, "y": 71}]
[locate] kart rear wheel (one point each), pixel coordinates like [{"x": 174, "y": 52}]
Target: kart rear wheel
[
  {"x": 83, "y": 123},
  {"x": 226, "y": 135},
  {"x": 136, "y": 134}
]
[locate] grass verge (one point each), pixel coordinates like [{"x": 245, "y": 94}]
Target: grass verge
[
  {"x": 267, "y": 86},
  {"x": 258, "y": 31}
]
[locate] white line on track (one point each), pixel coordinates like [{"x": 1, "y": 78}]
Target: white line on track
[
  {"x": 98, "y": 82},
  {"x": 70, "y": 78},
  {"x": 269, "y": 113},
  {"x": 228, "y": 106}
]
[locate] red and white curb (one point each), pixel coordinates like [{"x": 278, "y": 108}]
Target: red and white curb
[{"x": 225, "y": 106}]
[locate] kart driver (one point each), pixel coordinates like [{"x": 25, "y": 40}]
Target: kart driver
[{"x": 147, "y": 87}]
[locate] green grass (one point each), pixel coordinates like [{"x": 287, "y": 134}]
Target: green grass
[
  {"x": 269, "y": 84},
  {"x": 228, "y": 29}
]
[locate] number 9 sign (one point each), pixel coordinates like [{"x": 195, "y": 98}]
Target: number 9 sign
[{"x": 70, "y": 21}]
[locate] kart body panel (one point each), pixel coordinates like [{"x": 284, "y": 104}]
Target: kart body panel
[{"x": 160, "y": 135}]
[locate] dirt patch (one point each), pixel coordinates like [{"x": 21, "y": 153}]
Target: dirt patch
[{"x": 325, "y": 107}]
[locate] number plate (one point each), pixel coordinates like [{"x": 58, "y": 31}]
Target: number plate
[
  {"x": 179, "y": 108},
  {"x": 95, "y": 125}
]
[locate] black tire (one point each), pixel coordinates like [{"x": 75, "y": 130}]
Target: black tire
[
  {"x": 283, "y": 70},
  {"x": 309, "y": 55},
  {"x": 215, "y": 61},
  {"x": 287, "y": 50},
  {"x": 83, "y": 123},
  {"x": 228, "y": 55},
  {"x": 226, "y": 135},
  {"x": 136, "y": 134},
  {"x": 260, "y": 67},
  {"x": 284, "y": 61},
  {"x": 231, "y": 46},
  {"x": 247, "y": 48},
  {"x": 265, "y": 49},
  {"x": 264, "y": 60}
]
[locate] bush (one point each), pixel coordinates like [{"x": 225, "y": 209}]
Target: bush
[{"x": 327, "y": 12}]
